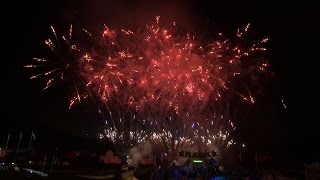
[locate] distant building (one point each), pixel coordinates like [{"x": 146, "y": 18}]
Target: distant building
[
  {"x": 148, "y": 160},
  {"x": 109, "y": 158}
]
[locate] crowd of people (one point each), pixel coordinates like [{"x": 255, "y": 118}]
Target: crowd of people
[{"x": 205, "y": 170}]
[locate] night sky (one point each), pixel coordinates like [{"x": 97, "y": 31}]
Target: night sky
[{"x": 291, "y": 133}]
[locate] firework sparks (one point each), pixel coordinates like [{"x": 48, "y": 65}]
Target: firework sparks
[
  {"x": 157, "y": 83},
  {"x": 283, "y": 104}
]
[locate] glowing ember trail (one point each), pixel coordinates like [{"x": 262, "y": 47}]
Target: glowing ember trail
[{"x": 159, "y": 83}]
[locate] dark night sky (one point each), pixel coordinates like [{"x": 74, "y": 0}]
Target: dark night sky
[{"x": 292, "y": 29}]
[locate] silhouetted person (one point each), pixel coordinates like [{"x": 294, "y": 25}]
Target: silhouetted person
[{"x": 174, "y": 172}]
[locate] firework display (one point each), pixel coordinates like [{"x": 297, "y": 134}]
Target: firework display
[{"x": 163, "y": 84}]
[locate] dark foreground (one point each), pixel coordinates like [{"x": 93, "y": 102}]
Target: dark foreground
[
  {"x": 14, "y": 175},
  {"x": 141, "y": 174}
]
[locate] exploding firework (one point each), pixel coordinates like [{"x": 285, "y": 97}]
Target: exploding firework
[{"x": 158, "y": 83}]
